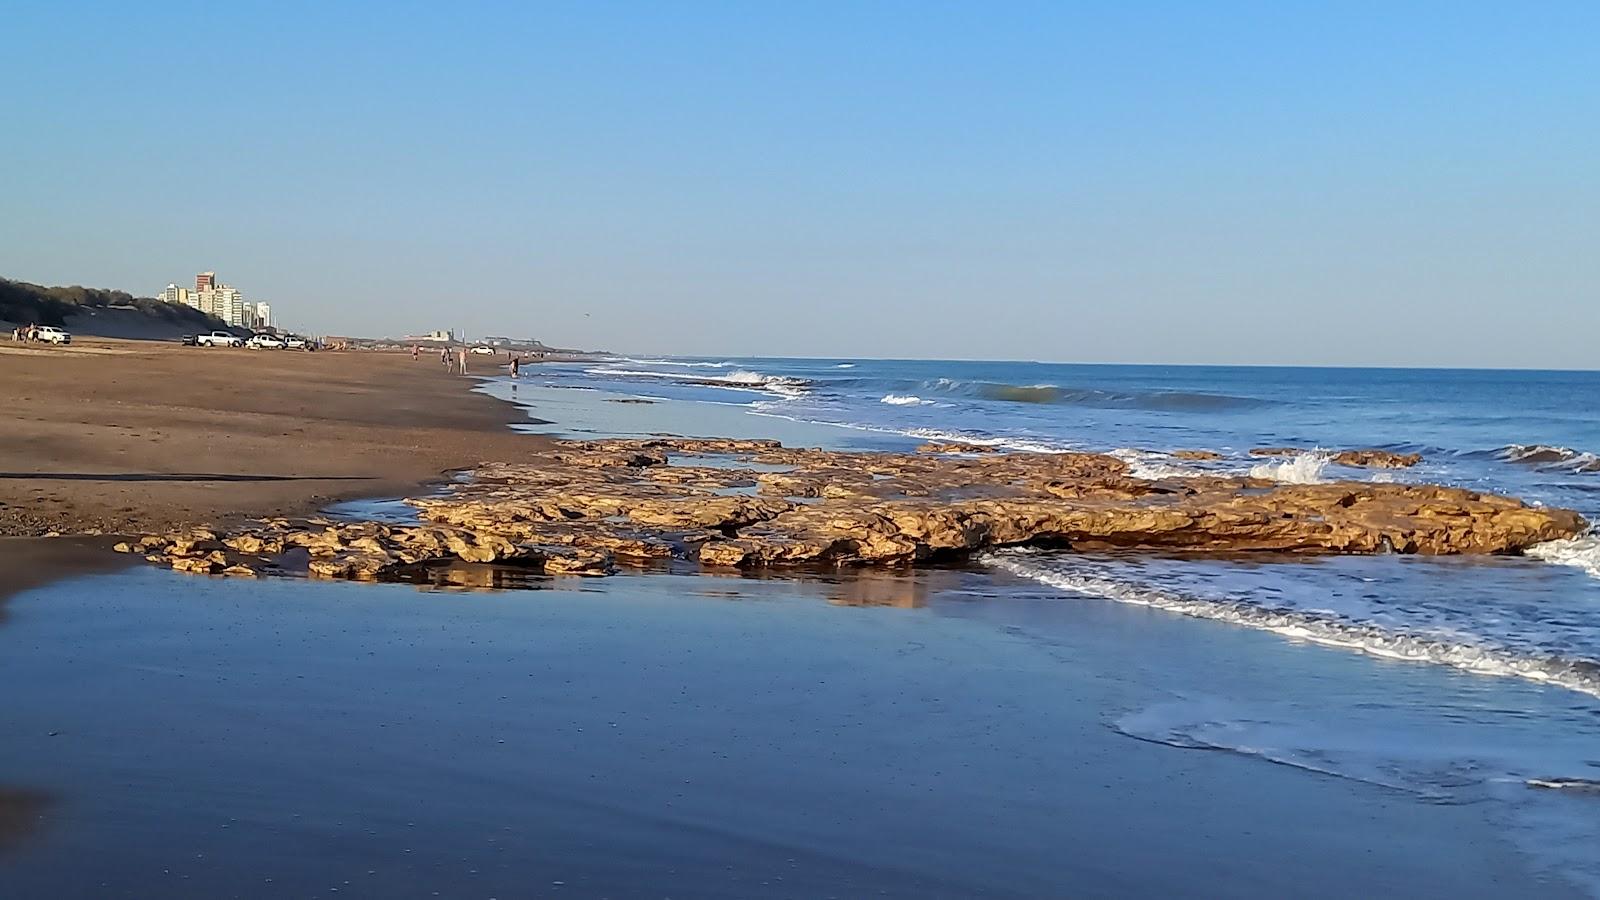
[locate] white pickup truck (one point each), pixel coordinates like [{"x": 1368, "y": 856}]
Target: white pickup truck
[
  {"x": 51, "y": 335},
  {"x": 218, "y": 339}
]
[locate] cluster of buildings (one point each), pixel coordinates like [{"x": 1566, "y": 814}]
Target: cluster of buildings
[{"x": 223, "y": 301}]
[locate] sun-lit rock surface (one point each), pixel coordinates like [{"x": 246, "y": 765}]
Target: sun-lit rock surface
[
  {"x": 1369, "y": 458},
  {"x": 583, "y": 507}
]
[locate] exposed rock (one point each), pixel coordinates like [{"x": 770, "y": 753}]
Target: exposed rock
[
  {"x": 1196, "y": 454},
  {"x": 945, "y": 447},
  {"x": 578, "y": 508},
  {"x": 1369, "y": 458},
  {"x": 1278, "y": 451},
  {"x": 1376, "y": 459}
]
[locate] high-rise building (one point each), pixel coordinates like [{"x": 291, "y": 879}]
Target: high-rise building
[
  {"x": 226, "y": 303},
  {"x": 230, "y": 305}
]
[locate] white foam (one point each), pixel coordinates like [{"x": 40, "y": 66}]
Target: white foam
[
  {"x": 670, "y": 362},
  {"x": 845, "y": 366},
  {"x": 1580, "y": 552},
  {"x": 1575, "y": 674},
  {"x": 1152, "y": 466},
  {"x": 741, "y": 379},
  {"x": 903, "y": 400},
  {"x": 1302, "y": 468},
  {"x": 773, "y": 410}
]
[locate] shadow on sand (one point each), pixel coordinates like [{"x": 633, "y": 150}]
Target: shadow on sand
[{"x": 19, "y": 815}]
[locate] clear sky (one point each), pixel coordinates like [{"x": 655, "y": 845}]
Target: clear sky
[{"x": 1275, "y": 182}]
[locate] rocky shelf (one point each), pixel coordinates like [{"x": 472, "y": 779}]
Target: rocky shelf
[{"x": 588, "y": 507}]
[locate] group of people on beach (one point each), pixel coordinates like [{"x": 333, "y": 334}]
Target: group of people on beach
[
  {"x": 457, "y": 362},
  {"x": 25, "y": 333}
]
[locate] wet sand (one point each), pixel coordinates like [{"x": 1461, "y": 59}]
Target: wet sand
[
  {"x": 109, "y": 436},
  {"x": 27, "y": 563},
  {"x": 666, "y": 735}
]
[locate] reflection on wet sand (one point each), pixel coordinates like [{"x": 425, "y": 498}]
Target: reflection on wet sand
[
  {"x": 470, "y": 576},
  {"x": 20, "y": 812},
  {"x": 27, "y": 563},
  {"x": 906, "y": 590},
  {"x": 903, "y": 589}
]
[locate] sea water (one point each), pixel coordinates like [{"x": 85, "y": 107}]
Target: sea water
[
  {"x": 1532, "y": 620},
  {"x": 943, "y": 733}
]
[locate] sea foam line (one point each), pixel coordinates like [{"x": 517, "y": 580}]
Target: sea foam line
[
  {"x": 903, "y": 400},
  {"x": 788, "y": 388},
  {"x": 1581, "y": 552},
  {"x": 768, "y": 410},
  {"x": 1575, "y": 674}
]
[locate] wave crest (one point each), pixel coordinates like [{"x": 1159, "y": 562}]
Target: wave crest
[
  {"x": 1549, "y": 457},
  {"x": 1303, "y": 468},
  {"x": 903, "y": 400},
  {"x": 1576, "y": 674},
  {"x": 1158, "y": 401},
  {"x": 741, "y": 379}
]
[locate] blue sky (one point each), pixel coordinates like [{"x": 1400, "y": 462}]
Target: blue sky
[{"x": 1353, "y": 183}]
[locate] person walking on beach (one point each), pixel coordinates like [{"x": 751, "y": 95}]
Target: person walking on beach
[
  {"x": 444, "y": 358},
  {"x": 463, "y": 360},
  {"x": 415, "y": 352},
  {"x": 514, "y": 366}
]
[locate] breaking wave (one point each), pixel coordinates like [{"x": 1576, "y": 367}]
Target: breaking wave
[
  {"x": 903, "y": 400},
  {"x": 1574, "y": 673},
  {"x": 1153, "y": 466},
  {"x": 670, "y": 362},
  {"x": 1161, "y": 401},
  {"x": 1580, "y": 552},
  {"x": 1303, "y": 468},
  {"x": 1551, "y": 458},
  {"x": 773, "y": 410},
  {"x": 740, "y": 379}
]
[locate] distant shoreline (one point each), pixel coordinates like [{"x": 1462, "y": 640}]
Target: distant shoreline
[{"x": 116, "y": 437}]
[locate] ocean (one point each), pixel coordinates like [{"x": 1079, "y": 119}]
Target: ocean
[{"x": 1531, "y": 620}]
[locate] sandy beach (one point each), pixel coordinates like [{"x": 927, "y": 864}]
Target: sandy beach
[{"x": 110, "y": 436}]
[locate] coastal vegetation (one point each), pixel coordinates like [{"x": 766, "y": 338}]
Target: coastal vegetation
[{"x": 23, "y": 303}]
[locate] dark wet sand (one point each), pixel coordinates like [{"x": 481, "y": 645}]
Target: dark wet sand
[
  {"x": 27, "y": 563},
  {"x": 665, "y": 735}
]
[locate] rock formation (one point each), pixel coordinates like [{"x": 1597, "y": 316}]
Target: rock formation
[
  {"x": 1356, "y": 459},
  {"x": 585, "y": 507}
]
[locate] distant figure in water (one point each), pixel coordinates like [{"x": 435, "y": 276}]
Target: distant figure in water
[{"x": 515, "y": 363}]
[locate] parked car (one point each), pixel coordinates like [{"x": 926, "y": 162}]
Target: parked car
[
  {"x": 484, "y": 350},
  {"x": 51, "y": 335},
  {"x": 218, "y": 339},
  {"x": 187, "y": 340},
  {"x": 264, "y": 342},
  {"x": 295, "y": 342}
]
